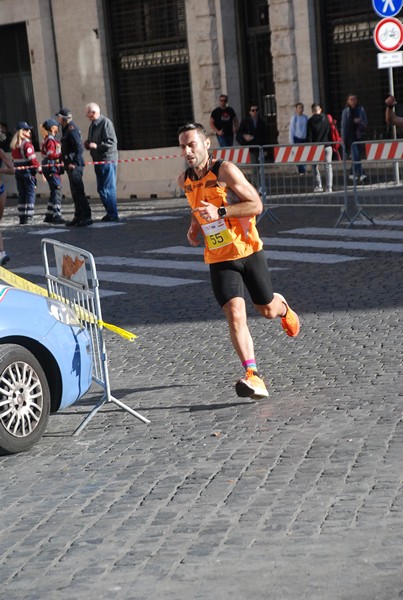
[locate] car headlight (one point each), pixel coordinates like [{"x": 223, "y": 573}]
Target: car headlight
[{"x": 63, "y": 313}]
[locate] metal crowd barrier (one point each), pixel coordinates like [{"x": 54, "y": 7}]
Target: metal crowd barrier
[
  {"x": 72, "y": 277},
  {"x": 251, "y": 161},
  {"x": 376, "y": 171},
  {"x": 274, "y": 171}
]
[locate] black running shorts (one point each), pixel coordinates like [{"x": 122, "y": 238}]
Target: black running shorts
[{"x": 230, "y": 278}]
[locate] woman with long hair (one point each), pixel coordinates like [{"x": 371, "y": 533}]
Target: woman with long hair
[{"x": 26, "y": 165}]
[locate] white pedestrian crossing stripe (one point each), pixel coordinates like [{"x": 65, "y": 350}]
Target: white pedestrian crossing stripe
[
  {"x": 139, "y": 279},
  {"x": 123, "y": 277},
  {"x": 350, "y": 233},
  {"x": 123, "y": 261},
  {"x": 340, "y": 244},
  {"x": 40, "y": 271},
  {"x": 271, "y": 255},
  {"x": 187, "y": 259}
]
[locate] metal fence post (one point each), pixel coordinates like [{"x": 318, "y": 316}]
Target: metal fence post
[{"x": 352, "y": 209}]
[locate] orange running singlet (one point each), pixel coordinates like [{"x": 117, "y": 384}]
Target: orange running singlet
[{"x": 229, "y": 238}]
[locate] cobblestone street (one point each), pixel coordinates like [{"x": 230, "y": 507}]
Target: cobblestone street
[{"x": 298, "y": 496}]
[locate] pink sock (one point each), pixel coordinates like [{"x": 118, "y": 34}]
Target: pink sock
[{"x": 249, "y": 364}]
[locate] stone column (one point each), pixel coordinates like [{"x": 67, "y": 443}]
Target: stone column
[
  {"x": 212, "y": 55},
  {"x": 292, "y": 27}
]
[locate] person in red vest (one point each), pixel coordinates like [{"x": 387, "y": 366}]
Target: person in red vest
[
  {"x": 23, "y": 154},
  {"x": 51, "y": 169}
]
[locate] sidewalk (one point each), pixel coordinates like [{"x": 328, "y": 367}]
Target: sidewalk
[{"x": 295, "y": 497}]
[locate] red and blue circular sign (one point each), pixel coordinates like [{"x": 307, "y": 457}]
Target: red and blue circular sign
[{"x": 388, "y": 34}]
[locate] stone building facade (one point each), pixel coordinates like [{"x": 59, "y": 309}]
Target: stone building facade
[{"x": 150, "y": 65}]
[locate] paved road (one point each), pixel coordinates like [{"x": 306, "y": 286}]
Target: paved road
[{"x": 296, "y": 497}]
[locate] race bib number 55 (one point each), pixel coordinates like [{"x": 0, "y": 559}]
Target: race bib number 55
[{"x": 216, "y": 234}]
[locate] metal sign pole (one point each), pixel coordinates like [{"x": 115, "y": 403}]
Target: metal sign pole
[{"x": 392, "y": 93}]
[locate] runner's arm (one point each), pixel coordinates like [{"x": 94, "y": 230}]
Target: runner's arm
[
  {"x": 249, "y": 204},
  {"x": 194, "y": 227}
]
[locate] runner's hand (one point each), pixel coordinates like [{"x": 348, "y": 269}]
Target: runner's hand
[
  {"x": 207, "y": 211},
  {"x": 192, "y": 234}
]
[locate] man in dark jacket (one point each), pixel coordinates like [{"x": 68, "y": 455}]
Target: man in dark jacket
[
  {"x": 252, "y": 132},
  {"x": 353, "y": 124},
  {"x": 318, "y": 132},
  {"x": 72, "y": 155}
]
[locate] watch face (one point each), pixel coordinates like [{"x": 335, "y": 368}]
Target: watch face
[{"x": 222, "y": 211}]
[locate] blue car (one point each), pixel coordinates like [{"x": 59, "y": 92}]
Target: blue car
[{"x": 45, "y": 364}]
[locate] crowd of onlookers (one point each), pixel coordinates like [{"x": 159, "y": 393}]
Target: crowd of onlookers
[
  {"x": 62, "y": 147},
  {"x": 58, "y": 156},
  {"x": 317, "y": 128}
]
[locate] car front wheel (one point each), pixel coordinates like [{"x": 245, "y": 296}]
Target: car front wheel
[{"x": 24, "y": 399}]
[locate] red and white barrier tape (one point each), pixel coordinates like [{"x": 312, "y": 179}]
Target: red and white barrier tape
[{"x": 106, "y": 162}]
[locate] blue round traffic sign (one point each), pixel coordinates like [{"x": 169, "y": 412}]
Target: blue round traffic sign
[{"x": 387, "y": 8}]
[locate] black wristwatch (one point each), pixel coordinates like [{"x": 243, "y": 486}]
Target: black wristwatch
[{"x": 222, "y": 211}]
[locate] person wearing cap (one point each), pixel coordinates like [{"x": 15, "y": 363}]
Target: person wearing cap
[
  {"x": 103, "y": 146},
  {"x": 26, "y": 165},
  {"x": 51, "y": 170},
  {"x": 72, "y": 154}
]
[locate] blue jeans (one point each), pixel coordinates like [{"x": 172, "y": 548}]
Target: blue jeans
[
  {"x": 297, "y": 140},
  {"x": 356, "y": 167},
  {"x": 227, "y": 139},
  {"x": 106, "y": 186}
]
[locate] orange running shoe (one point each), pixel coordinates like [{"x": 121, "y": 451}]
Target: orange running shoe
[
  {"x": 251, "y": 386},
  {"x": 290, "y": 321}
]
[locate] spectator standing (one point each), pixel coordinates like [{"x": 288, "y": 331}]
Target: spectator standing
[
  {"x": 23, "y": 153},
  {"x": 5, "y": 137},
  {"x": 72, "y": 154},
  {"x": 224, "y": 208},
  {"x": 224, "y": 122},
  {"x": 318, "y": 132},
  {"x": 252, "y": 132},
  {"x": 6, "y": 167},
  {"x": 298, "y": 128},
  {"x": 353, "y": 124},
  {"x": 51, "y": 169},
  {"x": 103, "y": 146}
]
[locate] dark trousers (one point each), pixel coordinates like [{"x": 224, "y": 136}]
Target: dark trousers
[
  {"x": 26, "y": 184},
  {"x": 82, "y": 209},
  {"x": 55, "y": 196}
]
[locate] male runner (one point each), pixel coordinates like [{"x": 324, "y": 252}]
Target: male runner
[{"x": 224, "y": 206}]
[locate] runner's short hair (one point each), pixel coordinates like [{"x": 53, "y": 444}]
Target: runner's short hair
[{"x": 192, "y": 126}]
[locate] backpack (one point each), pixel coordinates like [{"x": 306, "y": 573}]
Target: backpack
[
  {"x": 334, "y": 133},
  {"x": 334, "y": 137}
]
